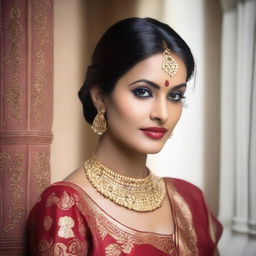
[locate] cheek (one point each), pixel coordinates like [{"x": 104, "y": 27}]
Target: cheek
[
  {"x": 175, "y": 113},
  {"x": 127, "y": 111}
]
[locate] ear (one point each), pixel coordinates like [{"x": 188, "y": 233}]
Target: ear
[{"x": 97, "y": 97}]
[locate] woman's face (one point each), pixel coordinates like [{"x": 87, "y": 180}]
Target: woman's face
[{"x": 145, "y": 105}]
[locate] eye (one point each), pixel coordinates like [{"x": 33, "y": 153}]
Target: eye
[
  {"x": 142, "y": 92},
  {"x": 176, "y": 96}
]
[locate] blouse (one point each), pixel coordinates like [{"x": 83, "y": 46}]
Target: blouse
[{"x": 66, "y": 221}]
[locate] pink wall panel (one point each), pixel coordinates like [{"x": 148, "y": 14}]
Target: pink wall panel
[{"x": 26, "y": 107}]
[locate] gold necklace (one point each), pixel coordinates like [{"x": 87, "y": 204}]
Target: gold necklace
[{"x": 141, "y": 195}]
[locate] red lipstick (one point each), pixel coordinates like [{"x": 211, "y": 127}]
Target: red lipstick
[{"x": 154, "y": 132}]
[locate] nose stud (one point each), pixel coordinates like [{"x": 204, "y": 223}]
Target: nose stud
[{"x": 166, "y": 83}]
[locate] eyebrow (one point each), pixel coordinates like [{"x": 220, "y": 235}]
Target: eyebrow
[{"x": 156, "y": 85}]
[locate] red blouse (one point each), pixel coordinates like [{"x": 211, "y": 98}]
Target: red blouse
[{"x": 66, "y": 221}]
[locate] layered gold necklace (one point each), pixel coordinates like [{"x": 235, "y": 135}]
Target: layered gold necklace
[{"x": 141, "y": 195}]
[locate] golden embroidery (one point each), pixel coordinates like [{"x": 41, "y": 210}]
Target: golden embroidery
[
  {"x": 81, "y": 226},
  {"x": 45, "y": 246},
  {"x": 15, "y": 169},
  {"x": 65, "y": 202},
  {"x": 73, "y": 247},
  {"x": 42, "y": 171},
  {"x": 52, "y": 199},
  {"x": 66, "y": 224},
  {"x": 58, "y": 249},
  {"x": 185, "y": 233},
  {"x": 113, "y": 250},
  {"x": 212, "y": 227},
  {"x": 40, "y": 29},
  {"x": 48, "y": 222},
  {"x": 124, "y": 241},
  {"x": 13, "y": 61}
]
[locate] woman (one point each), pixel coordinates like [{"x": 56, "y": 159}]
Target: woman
[{"x": 113, "y": 204}]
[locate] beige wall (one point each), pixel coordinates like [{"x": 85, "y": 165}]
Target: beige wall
[
  {"x": 193, "y": 151},
  {"x": 78, "y": 24},
  {"x": 70, "y": 59}
]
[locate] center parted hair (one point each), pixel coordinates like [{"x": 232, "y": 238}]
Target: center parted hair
[{"x": 123, "y": 45}]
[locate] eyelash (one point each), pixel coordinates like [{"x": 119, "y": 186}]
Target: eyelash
[
  {"x": 139, "y": 91},
  {"x": 179, "y": 94}
]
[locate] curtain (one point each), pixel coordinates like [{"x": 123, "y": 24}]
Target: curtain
[{"x": 238, "y": 128}]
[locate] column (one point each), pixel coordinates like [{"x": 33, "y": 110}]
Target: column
[{"x": 26, "y": 102}]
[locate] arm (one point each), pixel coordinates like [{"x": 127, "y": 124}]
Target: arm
[{"x": 56, "y": 225}]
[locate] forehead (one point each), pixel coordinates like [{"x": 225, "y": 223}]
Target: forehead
[{"x": 151, "y": 69}]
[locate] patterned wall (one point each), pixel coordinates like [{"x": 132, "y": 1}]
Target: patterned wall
[{"x": 26, "y": 106}]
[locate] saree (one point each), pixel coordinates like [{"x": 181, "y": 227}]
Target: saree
[{"x": 66, "y": 221}]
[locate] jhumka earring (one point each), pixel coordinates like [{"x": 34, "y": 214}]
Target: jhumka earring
[
  {"x": 99, "y": 124},
  {"x": 169, "y": 65}
]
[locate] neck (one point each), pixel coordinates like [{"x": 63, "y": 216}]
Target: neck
[{"x": 121, "y": 159}]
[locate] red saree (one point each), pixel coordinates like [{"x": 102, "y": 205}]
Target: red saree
[{"x": 66, "y": 221}]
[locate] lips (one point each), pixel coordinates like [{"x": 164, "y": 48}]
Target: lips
[{"x": 154, "y": 132}]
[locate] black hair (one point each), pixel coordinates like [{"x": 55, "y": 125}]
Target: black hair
[{"x": 124, "y": 44}]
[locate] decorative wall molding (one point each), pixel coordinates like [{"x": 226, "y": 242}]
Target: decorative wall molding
[
  {"x": 26, "y": 111},
  {"x": 26, "y": 137},
  {"x": 14, "y": 166},
  {"x": 238, "y": 126}
]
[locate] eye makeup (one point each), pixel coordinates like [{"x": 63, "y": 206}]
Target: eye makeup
[
  {"x": 142, "y": 92},
  {"x": 176, "y": 93},
  {"x": 154, "y": 85},
  {"x": 176, "y": 96},
  {"x": 150, "y": 83}
]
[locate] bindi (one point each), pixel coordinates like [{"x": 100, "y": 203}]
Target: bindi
[{"x": 166, "y": 83}]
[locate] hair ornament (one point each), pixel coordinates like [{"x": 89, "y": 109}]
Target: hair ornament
[{"x": 169, "y": 65}]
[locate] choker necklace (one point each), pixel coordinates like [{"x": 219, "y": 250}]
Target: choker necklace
[{"x": 141, "y": 195}]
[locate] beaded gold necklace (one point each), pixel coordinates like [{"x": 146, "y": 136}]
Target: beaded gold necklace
[{"x": 141, "y": 195}]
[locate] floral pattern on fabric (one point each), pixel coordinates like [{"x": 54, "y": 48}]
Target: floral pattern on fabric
[
  {"x": 72, "y": 248},
  {"x": 188, "y": 237},
  {"x": 65, "y": 202},
  {"x": 48, "y": 222},
  {"x": 124, "y": 241},
  {"x": 67, "y": 222}
]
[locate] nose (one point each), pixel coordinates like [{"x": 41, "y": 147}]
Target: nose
[{"x": 159, "y": 110}]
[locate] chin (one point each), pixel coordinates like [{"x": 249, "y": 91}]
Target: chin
[
  {"x": 142, "y": 146},
  {"x": 149, "y": 149},
  {"x": 154, "y": 151}
]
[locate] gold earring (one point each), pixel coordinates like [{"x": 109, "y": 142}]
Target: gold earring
[{"x": 99, "y": 124}]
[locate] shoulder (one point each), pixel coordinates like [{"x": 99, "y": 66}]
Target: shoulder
[
  {"x": 58, "y": 219},
  {"x": 70, "y": 186},
  {"x": 180, "y": 182},
  {"x": 60, "y": 188},
  {"x": 183, "y": 191},
  {"x": 195, "y": 200},
  {"x": 184, "y": 187},
  {"x": 59, "y": 196}
]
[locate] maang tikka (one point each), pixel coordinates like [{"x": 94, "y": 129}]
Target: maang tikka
[
  {"x": 99, "y": 124},
  {"x": 169, "y": 65}
]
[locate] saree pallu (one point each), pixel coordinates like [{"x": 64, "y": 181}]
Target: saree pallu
[{"x": 67, "y": 222}]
